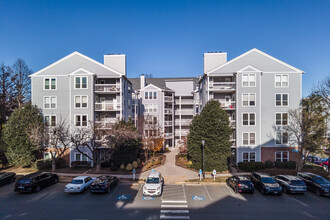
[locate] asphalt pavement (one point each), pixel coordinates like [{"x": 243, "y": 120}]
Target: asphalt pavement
[{"x": 185, "y": 201}]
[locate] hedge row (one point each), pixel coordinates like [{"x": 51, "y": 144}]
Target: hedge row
[
  {"x": 256, "y": 166},
  {"x": 47, "y": 163}
]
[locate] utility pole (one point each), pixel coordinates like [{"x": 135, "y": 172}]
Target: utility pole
[{"x": 203, "y": 158}]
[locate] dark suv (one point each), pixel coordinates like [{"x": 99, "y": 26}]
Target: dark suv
[
  {"x": 35, "y": 182},
  {"x": 240, "y": 184},
  {"x": 291, "y": 184},
  {"x": 266, "y": 184},
  {"x": 316, "y": 183}
]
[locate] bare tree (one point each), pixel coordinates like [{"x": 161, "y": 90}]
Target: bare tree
[
  {"x": 21, "y": 82},
  {"x": 153, "y": 136},
  {"x": 6, "y": 92}
]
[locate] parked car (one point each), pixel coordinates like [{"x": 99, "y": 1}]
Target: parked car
[
  {"x": 154, "y": 184},
  {"x": 266, "y": 184},
  {"x": 291, "y": 184},
  {"x": 325, "y": 162},
  {"x": 313, "y": 159},
  {"x": 316, "y": 183},
  {"x": 79, "y": 184},
  {"x": 35, "y": 182},
  {"x": 7, "y": 177},
  {"x": 104, "y": 184},
  {"x": 240, "y": 184}
]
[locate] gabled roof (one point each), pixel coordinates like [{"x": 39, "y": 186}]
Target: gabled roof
[
  {"x": 72, "y": 55},
  {"x": 158, "y": 82},
  {"x": 234, "y": 64}
]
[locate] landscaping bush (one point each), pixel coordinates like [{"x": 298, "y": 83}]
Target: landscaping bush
[
  {"x": 251, "y": 166},
  {"x": 113, "y": 168},
  {"x": 61, "y": 163},
  {"x": 122, "y": 167},
  {"x": 129, "y": 167},
  {"x": 280, "y": 164},
  {"x": 269, "y": 164},
  {"x": 135, "y": 164},
  {"x": 77, "y": 164},
  {"x": 43, "y": 164},
  {"x": 138, "y": 161},
  {"x": 291, "y": 164}
]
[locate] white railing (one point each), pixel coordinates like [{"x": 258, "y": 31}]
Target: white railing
[
  {"x": 168, "y": 123},
  {"x": 168, "y": 99},
  {"x": 228, "y": 106},
  {"x": 107, "y": 88},
  {"x": 185, "y": 122},
  {"x": 223, "y": 85},
  {"x": 168, "y": 135},
  {"x": 185, "y": 111},
  {"x": 168, "y": 111},
  {"x": 105, "y": 124},
  {"x": 107, "y": 106},
  {"x": 185, "y": 102}
]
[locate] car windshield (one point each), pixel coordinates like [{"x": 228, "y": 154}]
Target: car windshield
[
  {"x": 77, "y": 182},
  {"x": 320, "y": 180},
  {"x": 25, "y": 181},
  {"x": 268, "y": 180},
  {"x": 100, "y": 180},
  {"x": 153, "y": 180},
  {"x": 246, "y": 182},
  {"x": 297, "y": 182}
]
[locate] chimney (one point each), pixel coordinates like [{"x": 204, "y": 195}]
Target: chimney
[
  {"x": 142, "y": 81},
  {"x": 116, "y": 62},
  {"x": 213, "y": 60}
]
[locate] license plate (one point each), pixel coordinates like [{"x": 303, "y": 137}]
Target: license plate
[
  {"x": 21, "y": 187},
  {"x": 275, "y": 192}
]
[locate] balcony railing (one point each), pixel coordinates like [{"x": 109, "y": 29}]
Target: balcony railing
[
  {"x": 223, "y": 86},
  {"x": 184, "y": 102},
  {"x": 231, "y": 105},
  {"x": 168, "y": 111},
  {"x": 184, "y": 112},
  {"x": 105, "y": 124},
  {"x": 184, "y": 122},
  {"x": 168, "y": 99},
  {"x": 168, "y": 123},
  {"x": 168, "y": 135},
  {"x": 107, "y": 106},
  {"x": 107, "y": 88}
]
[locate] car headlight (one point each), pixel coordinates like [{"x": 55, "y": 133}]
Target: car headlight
[
  {"x": 266, "y": 187},
  {"x": 326, "y": 190},
  {"x": 78, "y": 188},
  {"x": 145, "y": 188}
]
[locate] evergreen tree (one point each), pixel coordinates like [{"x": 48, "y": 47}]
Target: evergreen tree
[
  {"x": 16, "y": 135},
  {"x": 212, "y": 125}
]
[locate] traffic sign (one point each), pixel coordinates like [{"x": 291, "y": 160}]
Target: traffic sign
[
  {"x": 134, "y": 171},
  {"x": 123, "y": 197},
  {"x": 198, "y": 198}
]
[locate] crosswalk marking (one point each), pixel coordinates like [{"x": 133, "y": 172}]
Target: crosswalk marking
[
  {"x": 174, "y": 201},
  {"x": 174, "y": 211},
  {"x": 173, "y": 217},
  {"x": 174, "y": 206}
]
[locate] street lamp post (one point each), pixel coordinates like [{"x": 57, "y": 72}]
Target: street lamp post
[{"x": 203, "y": 158}]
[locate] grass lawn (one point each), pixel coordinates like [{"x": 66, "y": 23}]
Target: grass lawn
[
  {"x": 20, "y": 170},
  {"x": 221, "y": 179}
]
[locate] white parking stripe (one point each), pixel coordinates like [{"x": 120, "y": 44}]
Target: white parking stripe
[
  {"x": 184, "y": 193},
  {"x": 174, "y": 206},
  {"x": 207, "y": 192},
  {"x": 231, "y": 191},
  {"x": 174, "y": 201},
  {"x": 300, "y": 202},
  {"x": 175, "y": 211},
  {"x": 118, "y": 186},
  {"x": 162, "y": 216}
]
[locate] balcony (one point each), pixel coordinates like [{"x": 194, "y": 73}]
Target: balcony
[
  {"x": 105, "y": 124},
  {"x": 168, "y": 123},
  {"x": 168, "y": 99},
  {"x": 183, "y": 122},
  {"x": 184, "y": 112},
  {"x": 232, "y": 123},
  {"x": 107, "y": 88},
  {"x": 231, "y": 105},
  {"x": 168, "y": 111},
  {"x": 168, "y": 135},
  {"x": 223, "y": 86},
  {"x": 107, "y": 106},
  {"x": 185, "y": 102}
]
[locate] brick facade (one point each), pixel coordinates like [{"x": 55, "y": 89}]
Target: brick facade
[
  {"x": 268, "y": 153},
  {"x": 66, "y": 155}
]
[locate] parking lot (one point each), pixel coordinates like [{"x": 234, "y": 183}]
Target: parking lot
[{"x": 177, "y": 202}]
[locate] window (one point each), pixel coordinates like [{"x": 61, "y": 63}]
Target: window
[
  {"x": 81, "y": 120},
  {"x": 50, "y": 84},
  {"x": 282, "y": 99},
  {"x": 281, "y": 80},
  {"x": 155, "y": 107},
  {"x": 249, "y": 139},
  {"x": 80, "y": 102},
  {"x": 50, "y": 102},
  {"x": 145, "y": 95},
  {"x": 282, "y": 156},
  {"x": 281, "y": 119},
  {"x": 155, "y": 95},
  {"x": 150, "y": 95},
  {"x": 249, "y": 118},
  {"x": 249, "y": 99},
  {"x": 282, "y": 137},
  {"x": 80, "y": 82},
  {"x": 50, "y": 120},
  {"x": 249, "y": 80},
  {"x": 249, "y": 156},
  {"x": 47, "y": 155},
  {"x": 80, "y": 157}
]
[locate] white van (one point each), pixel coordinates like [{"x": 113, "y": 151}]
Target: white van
[{"x": 154, "y": 184}]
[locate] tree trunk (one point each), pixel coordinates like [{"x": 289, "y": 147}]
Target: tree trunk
[
  {"x": 300, "y": 160},
  {"x": 53, "y": 164},
  {"x": 98, "y": 167}
]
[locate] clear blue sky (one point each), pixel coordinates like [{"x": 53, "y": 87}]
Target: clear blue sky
[{"x": 168, "y": 38}]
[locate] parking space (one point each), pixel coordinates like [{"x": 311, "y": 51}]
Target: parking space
[{"x": 183, "y": 201}]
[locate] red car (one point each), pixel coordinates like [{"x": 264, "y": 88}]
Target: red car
[{"x": 325, "y": 163}]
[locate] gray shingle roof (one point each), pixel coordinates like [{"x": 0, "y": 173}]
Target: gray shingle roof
[{"x": 159, "y": 82}]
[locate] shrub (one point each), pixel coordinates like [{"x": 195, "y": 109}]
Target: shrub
[
  {"x": 269, "y": 164},
  {"x": 138, "y": 161},
  {"x": 189, "y": 164},
  {"x": 122, "y": 167},
  {"x": 76, "y": 164},
  {"x": 113, "y": 168},
  {"x": 280, "y": 164},
  {"x": 43, "y": 164},
  {"x": 60, "y": 163},
  {"x": 291, "y": 164},
  {"x": 135, "y": 164},
  {"x": 251, "y": 166},
  {"x": 129, "y": 167}
]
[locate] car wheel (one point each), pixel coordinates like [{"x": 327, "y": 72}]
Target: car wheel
[
  {"x": 236, "y": 190},
  {"x": 285, "y": 190},
  {"x": 55, "y": 180},
  {"x": 12, "y": 179},
  {"x": 263, "y": 191},
  {"x": 37, "y": 189},
  {"x": 318, "y": 192}
]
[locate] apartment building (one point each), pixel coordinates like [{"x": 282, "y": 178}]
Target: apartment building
[
  {"x": 80, "y": 90},
  {"x": 257, "y": 91},
  {"x": 171, "y": 102}
]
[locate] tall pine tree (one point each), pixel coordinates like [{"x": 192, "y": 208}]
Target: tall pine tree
[{"x": 212, "y": 125}]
